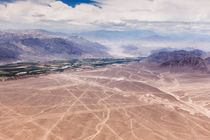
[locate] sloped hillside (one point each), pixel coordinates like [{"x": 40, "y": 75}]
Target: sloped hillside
[{"x": 39, "y": 45}]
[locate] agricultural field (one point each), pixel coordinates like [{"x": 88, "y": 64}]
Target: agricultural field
[{"x": 31, "y": 68}]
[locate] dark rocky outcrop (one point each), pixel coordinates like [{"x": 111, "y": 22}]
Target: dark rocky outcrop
[
  {"x": 207, "y": 60},
  {"x": 161, "y": 57},
  {"x": 186, "y": 64}
]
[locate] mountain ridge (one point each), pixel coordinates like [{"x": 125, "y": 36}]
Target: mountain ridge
[{"x": 41, "y": 45}]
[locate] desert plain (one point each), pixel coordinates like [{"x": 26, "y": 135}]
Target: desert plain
[{"x": 118, "y": 102}]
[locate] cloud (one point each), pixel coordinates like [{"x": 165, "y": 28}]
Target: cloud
[{"x": 164, "y": 15}]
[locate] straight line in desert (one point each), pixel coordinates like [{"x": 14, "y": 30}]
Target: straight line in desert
[
  {"x": 91, "y": 110},
  {"x": 62, "y": 116}
]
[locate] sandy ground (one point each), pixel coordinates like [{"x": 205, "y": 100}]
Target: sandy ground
[{"x": 121, "y": 102}]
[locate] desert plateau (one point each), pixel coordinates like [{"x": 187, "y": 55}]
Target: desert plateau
[{"x": 116, "y": 102}]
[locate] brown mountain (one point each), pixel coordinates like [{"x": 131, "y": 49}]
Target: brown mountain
[
  {"x": 161, "y": 57},
  {"x": 186, "y": 64}
]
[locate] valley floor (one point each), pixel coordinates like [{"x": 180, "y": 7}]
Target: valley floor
[{"x": 119, "y": 102}]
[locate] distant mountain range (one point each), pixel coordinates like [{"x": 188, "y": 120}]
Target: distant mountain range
[
  {"x": 148, "y": 35},
  {"x": 145, "y": 41},
  {"x": 116, "y": 35},
  {"x": 40, "y": 45}
]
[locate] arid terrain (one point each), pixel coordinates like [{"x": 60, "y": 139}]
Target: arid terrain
[{"x": 118, "y": 102}]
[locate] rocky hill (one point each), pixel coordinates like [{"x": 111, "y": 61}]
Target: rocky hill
[
  {"x": 161, "y": 57},
  {"x": 186, "y": 64},
  {"x": 179, "y": 61}
]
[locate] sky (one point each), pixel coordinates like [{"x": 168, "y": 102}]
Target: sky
[{"x": 86, "y": 15}]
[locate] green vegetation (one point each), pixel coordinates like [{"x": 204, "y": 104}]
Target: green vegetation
[{"x": 29, "y": 68}]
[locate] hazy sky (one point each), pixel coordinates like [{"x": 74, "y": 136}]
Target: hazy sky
[{"x": 67, "y": 15}]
